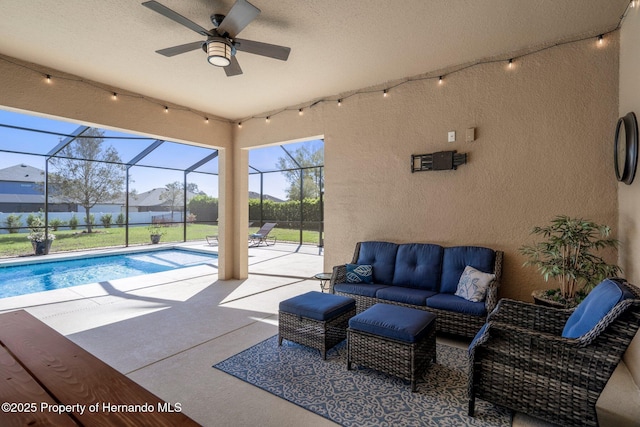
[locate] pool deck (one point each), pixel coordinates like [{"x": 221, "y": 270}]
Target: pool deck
[{"x": 166, "y": 330}]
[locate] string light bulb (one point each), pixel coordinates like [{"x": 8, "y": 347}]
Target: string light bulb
[
  {"x": 385, "y": 93},
  {"x": 300, "y": 112},
  {"x": 339, "y": 102},
  {"x": 206, "y": 119},
  {"x": 267, "y": 119},
  {"x": 440, "y": 80},
  {"x": 601, "y": 39},
  {"x": 114, "y": 96},
  {"x": 510, "y": 63},
  {"x": 166, "y": 109},
  {"x": 239, "y": 125},
  {"x": 48, "y": 78}
]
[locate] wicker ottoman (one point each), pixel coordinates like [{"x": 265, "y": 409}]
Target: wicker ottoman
[
  {"x": 315, "y": 319},
  {"x": 397, "y": 340}
]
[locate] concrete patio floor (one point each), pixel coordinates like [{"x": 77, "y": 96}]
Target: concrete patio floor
[{"x": 166, "y": 330}]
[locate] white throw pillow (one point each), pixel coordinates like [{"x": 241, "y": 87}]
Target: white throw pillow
[{"x": 473, "y": 284}]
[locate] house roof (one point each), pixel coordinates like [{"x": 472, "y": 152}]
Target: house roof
[
  {"x": 22, "y": 173},
  {"x": 336, "y": 46}
]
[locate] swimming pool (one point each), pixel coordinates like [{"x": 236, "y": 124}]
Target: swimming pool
[{"x": 26, "y": 279}]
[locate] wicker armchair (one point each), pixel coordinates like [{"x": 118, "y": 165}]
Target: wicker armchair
[{"x": 520, "y": 360}]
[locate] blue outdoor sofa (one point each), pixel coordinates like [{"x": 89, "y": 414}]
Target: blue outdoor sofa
[{"x": 458, "y": 284}]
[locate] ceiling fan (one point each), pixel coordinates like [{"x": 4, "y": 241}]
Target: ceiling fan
[{"x": 221, "y": 44}]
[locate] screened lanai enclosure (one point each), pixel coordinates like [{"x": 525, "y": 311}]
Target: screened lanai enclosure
[{"x": 68, "y": 187}]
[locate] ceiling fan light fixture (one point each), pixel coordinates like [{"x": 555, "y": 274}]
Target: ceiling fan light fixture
[{"x": 219, "y": 52}]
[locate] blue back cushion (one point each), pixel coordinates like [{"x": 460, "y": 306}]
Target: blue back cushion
[
  {"x": 594, "y": 307},
  {"x": 456, "y": 258},
  {"x": 419, "y": 266},
  {"x": 380, "y": 255}
]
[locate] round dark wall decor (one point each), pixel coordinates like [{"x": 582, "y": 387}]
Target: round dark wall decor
[{"x": 625, "y": 150}]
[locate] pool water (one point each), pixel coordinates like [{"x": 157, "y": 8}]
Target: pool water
[{"x": 30, "y": 278}]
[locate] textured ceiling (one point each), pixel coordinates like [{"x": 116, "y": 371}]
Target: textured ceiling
[{"x": 336, "y": 45}]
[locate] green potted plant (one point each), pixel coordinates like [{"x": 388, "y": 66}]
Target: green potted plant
[
  {"x": 40, "y": 240},
  {"x": 155, "y": 232},
  {"x": 569, "y": 254}
]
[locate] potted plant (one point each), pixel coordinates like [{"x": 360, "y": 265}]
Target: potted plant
[
  {"x": 569, "y": 254},
  {"x": 40, "y": 239},
  {"x": 155, "y": 232}
]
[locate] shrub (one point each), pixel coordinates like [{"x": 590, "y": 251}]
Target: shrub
[
  {"x": 56, "y": 223},
  {"x": 106, "y": 220},
  {"x": 73, "y": 222},
  {"x": 120, "y": 219},
  {"x": 13, "y": 223}
]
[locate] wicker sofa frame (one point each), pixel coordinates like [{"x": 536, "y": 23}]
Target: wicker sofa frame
[
  {"x": 450, "y": 322},
  {"x": 521, "y": 361}
]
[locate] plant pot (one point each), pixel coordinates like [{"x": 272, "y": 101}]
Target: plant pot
[
  {"x": 540, "y": 298},
  {"x": 155, "y": 238},
  {"x": 41, "y": 248}
]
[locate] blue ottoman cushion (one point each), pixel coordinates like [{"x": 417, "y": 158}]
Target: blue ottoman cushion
[
  {"x": 394, "y": 322},
  {"x": 317, "y": 305}
]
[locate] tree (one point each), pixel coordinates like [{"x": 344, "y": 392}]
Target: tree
[
  {"x": 312, "y": 183},
  {"x": 87, "y": 173},
  {"x": 174, "y": 194}
]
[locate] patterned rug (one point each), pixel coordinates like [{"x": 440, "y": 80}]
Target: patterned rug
[{"x": 363, "y": 397}]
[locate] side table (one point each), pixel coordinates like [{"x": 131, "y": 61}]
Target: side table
[{"x": 324, "y": 278}]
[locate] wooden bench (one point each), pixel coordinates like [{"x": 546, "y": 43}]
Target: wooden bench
[{"x": 42, "y": 370}]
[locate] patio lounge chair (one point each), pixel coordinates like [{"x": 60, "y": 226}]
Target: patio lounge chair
[
  {"x": 262, "y": 235},
  {"x": 551, "y": 363}
]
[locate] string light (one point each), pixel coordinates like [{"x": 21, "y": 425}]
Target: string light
[
  {"x": 339, "y": 102},
  {"x": 510, "y": 63},
  {"x": 239, "y": 125},
  {"x": 601, "y": 39},
  {"x": 268, "y": 119},
  {"x": 48, "y": 78},
  {"x": 440, "y": 80},
  {"x": 166, "y": 109},
  {"x": 114, "y": 96},
  {"x": 206, "y": 120},
  {"x": 300, "y": 112},
  {"x": 385, "y": 93}
]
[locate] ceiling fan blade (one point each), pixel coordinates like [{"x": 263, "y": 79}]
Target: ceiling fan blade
[
  {"x": 174, "y": 16},
  {"x": 240, "y": 15},
  {"x": 264, "y": 49},
  {"x": 177, "y": 50},
  {"x": 233, "y": 69}
]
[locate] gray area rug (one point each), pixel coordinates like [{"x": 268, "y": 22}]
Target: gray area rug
[{"x": 363, "y": 397}]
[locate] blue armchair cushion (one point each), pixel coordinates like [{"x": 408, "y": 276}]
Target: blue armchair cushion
[
  {"x": 473, "y": 284},
  {"x": 382, "y": 257},
  {"x": 457, "y": 258},
  {"x": 418, "y": 265},
  {"x": 405, "y": 295},
  {"x": 454, "y": 303},
  {"x": 318, "y": 306},
  {"x": 357, "y": 273},
  {"x": 394, "y": 322},
  {"x": 594, "y": 307}
]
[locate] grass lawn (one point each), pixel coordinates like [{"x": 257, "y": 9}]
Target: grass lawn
[{"x": 13, "y": 245}]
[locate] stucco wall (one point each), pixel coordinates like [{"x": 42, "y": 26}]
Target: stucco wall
[
  {"x": 543, "y": 147},
  {"x": 629, "y": 195}
]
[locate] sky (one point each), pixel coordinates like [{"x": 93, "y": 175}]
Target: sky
[{"x": 15, "y": 142}]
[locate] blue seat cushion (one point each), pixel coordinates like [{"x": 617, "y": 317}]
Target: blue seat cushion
[
  {"x": 382, "y": 257},
  {"x": 418, "y": 265},
  {"x": 394, "y": 322},
  {"x": 457, "y": 304},
  {"x": 317, "y": 305},
  {"x": 362, "y": 289},
  {"x": 594, "y": 307},
  {"x": 456, "y": 258},
  {"x": 405, "y": 295}
]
